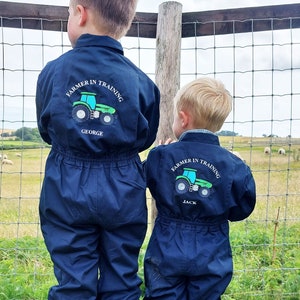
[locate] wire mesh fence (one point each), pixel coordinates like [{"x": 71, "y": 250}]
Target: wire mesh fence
[{"x": 262, "y": 71}]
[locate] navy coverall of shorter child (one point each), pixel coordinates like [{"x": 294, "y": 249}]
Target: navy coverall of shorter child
[
  {"x": 98, "y": 111},
  {"x": 198, "y": 186}
]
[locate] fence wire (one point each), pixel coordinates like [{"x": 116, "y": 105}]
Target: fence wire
[{"x": 260, "y": 69}]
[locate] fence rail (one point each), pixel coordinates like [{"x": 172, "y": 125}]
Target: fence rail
[{"x": 48, "y": 17}]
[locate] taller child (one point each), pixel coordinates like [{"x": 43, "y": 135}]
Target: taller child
[{"x": 98, "y": 111}]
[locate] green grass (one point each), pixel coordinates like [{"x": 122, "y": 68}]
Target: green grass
[
  {"x": 265, "y": 247},
  {"x": 264, "y": 268},
  {"x": 25, "y": 269},
  {"x": 10, "y": 144}
]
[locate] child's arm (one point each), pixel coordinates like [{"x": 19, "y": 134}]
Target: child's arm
[
  {"x": 243, "y": 193},
  {"x": 42, "y": 126}
]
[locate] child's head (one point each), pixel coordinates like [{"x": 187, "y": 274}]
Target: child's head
[
  {"x": 201, "y": 104},
  {"x": 107, "y": 17}
]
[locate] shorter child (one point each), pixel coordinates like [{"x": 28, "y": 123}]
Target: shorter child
[{"x": 198, "y": 186}]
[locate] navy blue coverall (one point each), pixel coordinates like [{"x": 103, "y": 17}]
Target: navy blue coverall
[
  {"x": 98, "y": 111},
  {"x": 198, "y": 186}
]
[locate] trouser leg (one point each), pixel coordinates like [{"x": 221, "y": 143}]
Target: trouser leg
[
  {"x": 119, "y": 262},
  {"x": 74, "y": 252},
  {"x": 209, "y": 287}
]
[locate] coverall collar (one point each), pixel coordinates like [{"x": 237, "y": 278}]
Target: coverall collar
[
  {"x": 200, "y": 135},
  {"x": 89, "y": 40}
]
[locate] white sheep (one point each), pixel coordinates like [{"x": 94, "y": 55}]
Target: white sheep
[
  {"x": 4, "y": 156},
  {"x": 281, "y": 151},
  {"x": 267, "y": 150},
  {"x": 6, "y": 161}
]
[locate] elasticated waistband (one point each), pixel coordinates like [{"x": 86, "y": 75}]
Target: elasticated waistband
[
  {"x": 196, "y": 225},
  {"x": 117, "y": 158}
]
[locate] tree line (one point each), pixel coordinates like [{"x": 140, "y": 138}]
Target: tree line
[
  {"x": 23, "y": 134},
  {"x": 33, "y": 135}
]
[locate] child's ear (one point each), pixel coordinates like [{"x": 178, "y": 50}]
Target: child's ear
[
  {"x": 81, "y": 10},
  {"x": 184, "y": 119}
]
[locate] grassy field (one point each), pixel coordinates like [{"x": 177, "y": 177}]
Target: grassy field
[{"x": 266, "y": 247}]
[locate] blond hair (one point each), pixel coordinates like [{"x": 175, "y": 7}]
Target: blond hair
[
  {"x": 115, "y": 16},
  {"x": 207, "y": 101}
]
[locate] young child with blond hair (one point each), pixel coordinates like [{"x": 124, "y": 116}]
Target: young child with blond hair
[{"x": 197, "y": 186}]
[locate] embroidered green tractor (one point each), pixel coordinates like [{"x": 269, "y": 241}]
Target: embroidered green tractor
[
  {"x": 188, "y": 182},
  {"x": 87, "y": 108}
]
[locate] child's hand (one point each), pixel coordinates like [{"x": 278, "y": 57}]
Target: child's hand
[{"x": 167, "y": 142}]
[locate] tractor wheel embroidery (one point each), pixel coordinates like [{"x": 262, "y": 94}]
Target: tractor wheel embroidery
[
  {"x": 182, "y": 185},
  {"x": 188, "y": 182},
  {"x": 106, "y": 118},
  {"x": 204, "y": 192},
  {"x": 80, "y": 113}
]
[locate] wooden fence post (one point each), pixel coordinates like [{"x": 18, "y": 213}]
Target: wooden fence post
[{"x": 167, "y": 73}]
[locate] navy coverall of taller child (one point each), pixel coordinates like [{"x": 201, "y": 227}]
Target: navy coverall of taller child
[
  {"x": 198, "y": 186},
  {"x": 98, "y": 111}
]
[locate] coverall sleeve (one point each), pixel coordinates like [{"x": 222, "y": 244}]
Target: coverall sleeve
[
  {"x": 150, "y": 108},
  {"x": 152, "y": 169},
  {"x": 42, "y": 119},
  {"x": 244, "y": 193}
]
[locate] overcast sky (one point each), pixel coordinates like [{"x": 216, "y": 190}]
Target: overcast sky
[{"x": 216, "y": 53}]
